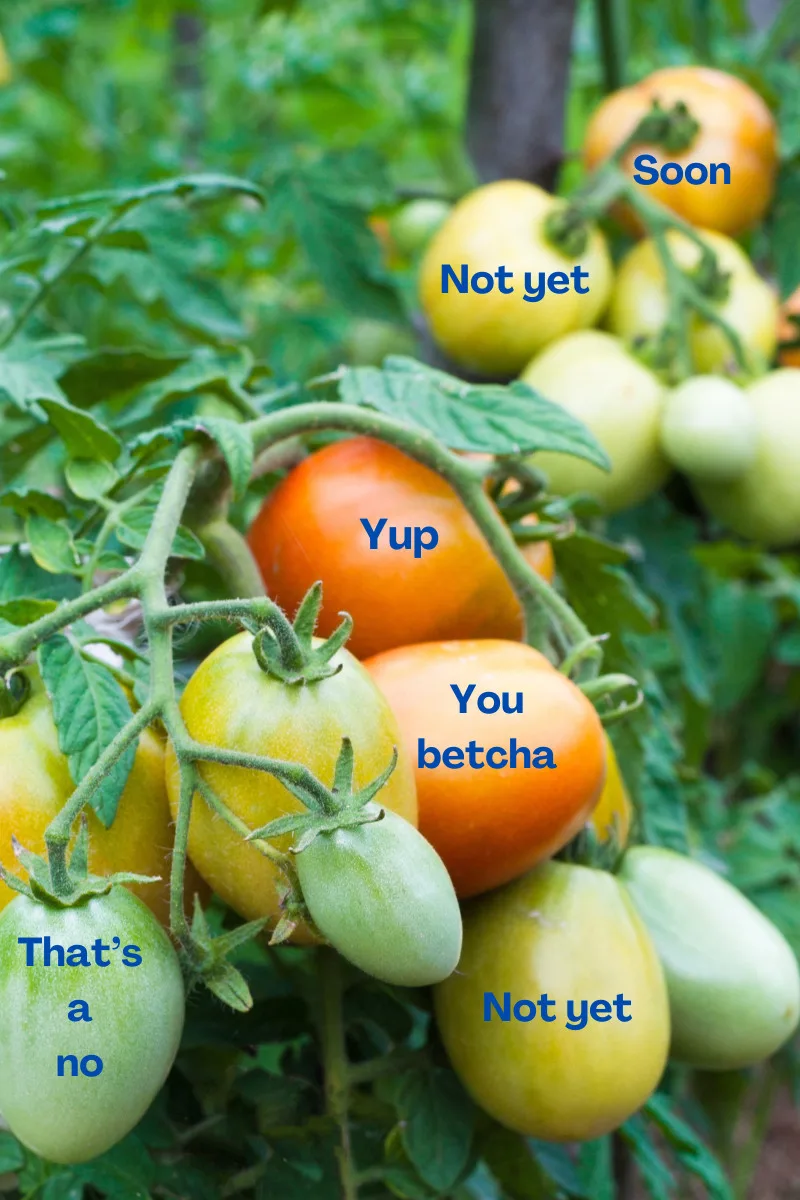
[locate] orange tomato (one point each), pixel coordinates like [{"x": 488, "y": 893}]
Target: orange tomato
[
  {"x": 310, "y": 528},
  {"x": 614, "y": 811},
  {"x": 491, "y": 819},
  {"x": 736, "y": 127}
]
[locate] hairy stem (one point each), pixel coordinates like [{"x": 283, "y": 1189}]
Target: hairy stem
[{"x": 335, "y": 1065}]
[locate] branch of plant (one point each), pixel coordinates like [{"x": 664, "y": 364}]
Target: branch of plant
[{"x": 335, "y": 1065}]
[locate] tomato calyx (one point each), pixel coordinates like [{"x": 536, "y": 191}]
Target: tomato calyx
[
  {"x": 285, "y": 649},
  {"x": 205, "y": 959},
  {"x": 54, "y": 881},
  {"x": 673, "y": 128},
  {"x": 338, "y": 807}
]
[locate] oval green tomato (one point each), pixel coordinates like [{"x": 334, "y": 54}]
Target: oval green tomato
[
  {"x": 73, "y": 1112},
  {"x": 764, "y": 502},
  {"x": 595, "y": 378},
  {"x": 570, "y": 933},
  {"x": 382, "y": 897},
  {"x": 413, "y": 226},
  {"x": 709, "y": 428},
  {"x": 733, "y": 982}
]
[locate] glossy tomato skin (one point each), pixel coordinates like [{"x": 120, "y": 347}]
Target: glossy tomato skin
[
  {"x": 135, "y": 1029},
  {"x": 572, "y": 933},
  {"x": 733, "y": 980},
  {"x": 310, "y": 528},
  {"x": 489, "y": 825},
  {"x": 35, "y": 783},
  {"x": 231, "y": 702},
  {"x": 640, "y": 303},
  {"x": 595, "y": 377},
  {"x": 763, "y": 503},
  {"x": 614, "y": 812},
  {"x": 736, "y": 127},
  {"x": 382, "y": 897},
  {"x": 502, "y": 224}
]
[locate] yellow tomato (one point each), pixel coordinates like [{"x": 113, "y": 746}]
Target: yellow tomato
[
  {"x": 594, "y": 377},
  {"x": 736, "y": 128},
  {"x": 572, "y": 934},
  {"x": 640, "y": 304},
  {"x": 35, "y": 783},
  {"x": 502, "y": 225}
]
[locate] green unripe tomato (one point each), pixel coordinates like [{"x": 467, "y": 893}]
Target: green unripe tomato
[
  {"x": 70, "y": 1111},
  {"x": 368, "y": 342},
  {"x": 732, "y": 978},
  {"x": 412, "y": 226},
  {"x": 709, "y": 429},
  {"x": 382, "y": 897}
]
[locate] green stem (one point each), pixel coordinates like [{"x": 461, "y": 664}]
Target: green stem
[
  {"x": 228, "y": 552},
  {"x": 534, "y": 593},
  {"x": 58, "y": 831},
  {"x": 612, "y": 22},
  {"x": 15, "y": 647},
  {"x": 335, "y": 1065},
  {"x": 214, "y": 610}
]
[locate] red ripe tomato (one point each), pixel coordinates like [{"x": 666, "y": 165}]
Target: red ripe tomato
[
  {"x": 491, "y": 812},
  {"x": 311, "y": 528}
]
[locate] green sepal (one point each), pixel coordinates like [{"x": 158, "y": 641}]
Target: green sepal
[
  {"x": 285, "y": 649},
  {"x": 206, "y": 959},
  {"x": 340, "y": 808},
  {"x": 51, "y": 880}
]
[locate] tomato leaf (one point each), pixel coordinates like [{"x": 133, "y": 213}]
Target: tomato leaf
[
  {"x": 785, "y": 228},
  {"x": 236, "y": 446},
  {"x": 656, "y": 1175},
  {"x": 465, "y": 416},
  {"x": 136, "y": 525},
  {"x": 90, "y": 709},
  {"x": 691, "y": 1152},
  {"x": 437, "y": 1124},
  {"x": 22, "y": 577},
  {"x": 51, "y": 544},
  {"x": 12, "y": 1157},
  {"x": 89, "y": 478},
  {"x": 82, "y": 434}
]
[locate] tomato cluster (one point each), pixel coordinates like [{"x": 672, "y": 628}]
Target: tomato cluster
[{"x": 561, "y": 988}]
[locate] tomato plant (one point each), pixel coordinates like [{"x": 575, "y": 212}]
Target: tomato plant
[
  {"x": 216, "y": 307},
  {"x": 640, "y": 304},
  {"x": 231, "y": 701},
  {"x": 570, "y": 933},
  {"x": 488, "y": 816},
  {"x": 37, "y": 782}
]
